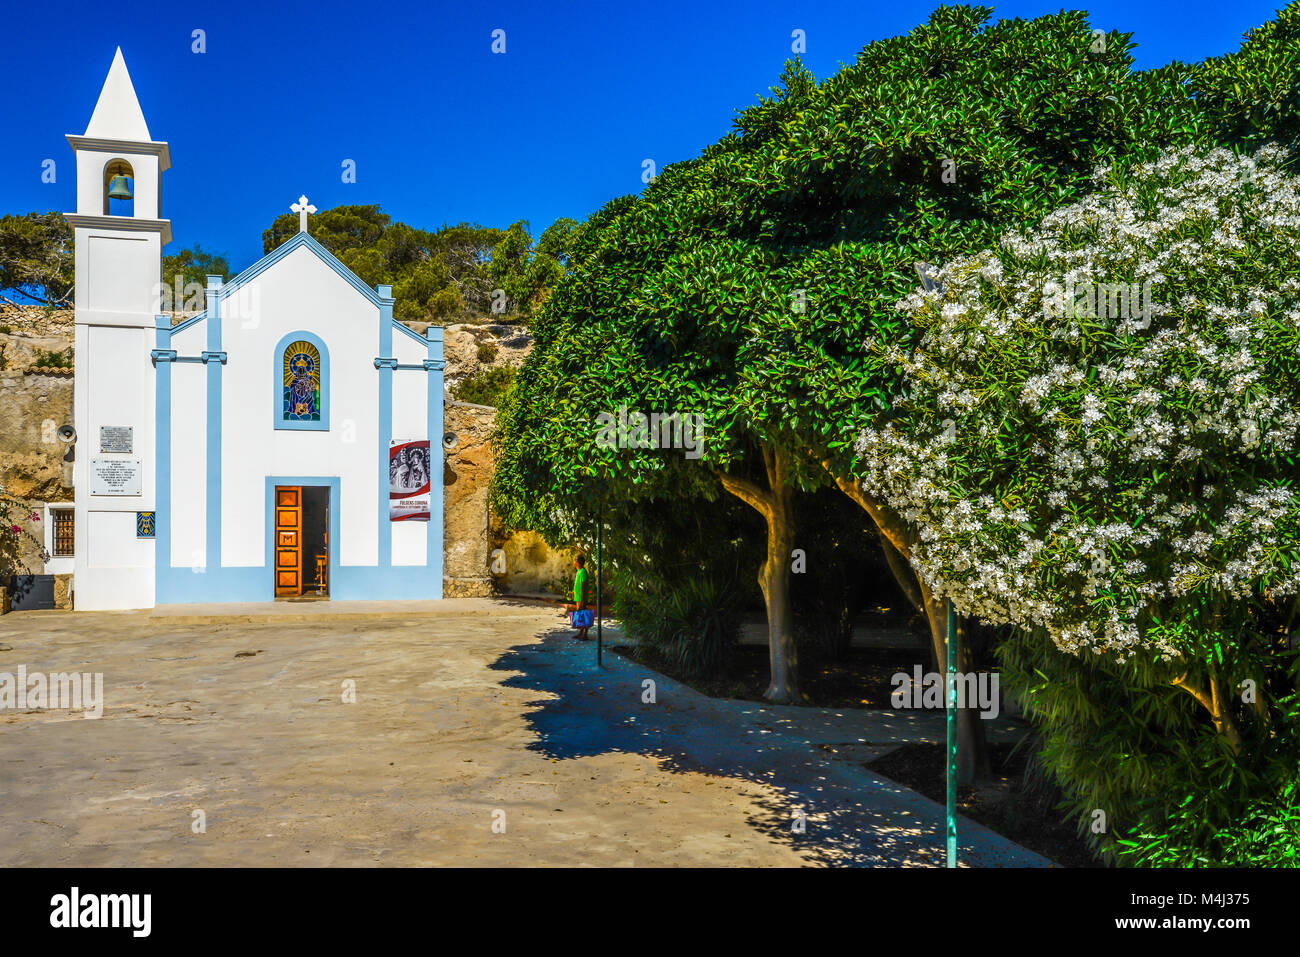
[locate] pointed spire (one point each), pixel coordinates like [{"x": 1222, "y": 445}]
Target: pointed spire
[{"x": 117, "y": 115}]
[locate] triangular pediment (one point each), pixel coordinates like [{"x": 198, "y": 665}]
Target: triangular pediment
[{"x": 295, "y": 242}]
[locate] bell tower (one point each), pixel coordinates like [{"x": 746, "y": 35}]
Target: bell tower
[{"x": 118, "y": 241}]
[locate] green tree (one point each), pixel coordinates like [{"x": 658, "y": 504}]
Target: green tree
[
  {"x": 436, "y": 275},
  {"x": 526, "y": 273},
  {"x": 193, "y": 265},
  {"x": 724, "y": 286},
  {"x": 556, "y": 240},
  {"x": 744, "y": 283},
  {"x": 1048, "y": 102},
  {"x": 339, "y": 230},
  {"x": 650, "y": 319},
  {"x": 36, "y": 261}
]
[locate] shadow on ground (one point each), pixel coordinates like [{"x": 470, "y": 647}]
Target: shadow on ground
[{"x": 853, "y": 817}]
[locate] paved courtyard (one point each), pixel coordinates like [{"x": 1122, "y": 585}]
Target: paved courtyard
[{"x": 480, "y": 734}]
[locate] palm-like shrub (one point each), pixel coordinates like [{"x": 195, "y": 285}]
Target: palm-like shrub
[{"x": 694, "y": 622}]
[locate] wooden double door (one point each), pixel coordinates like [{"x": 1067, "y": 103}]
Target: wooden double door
[{"x": 301, "y": 544}]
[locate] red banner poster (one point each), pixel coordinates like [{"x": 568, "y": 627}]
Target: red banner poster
[{"x": 409, "y": 476}]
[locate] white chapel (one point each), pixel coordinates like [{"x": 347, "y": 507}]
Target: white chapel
[{"x": 275, "y": 445}]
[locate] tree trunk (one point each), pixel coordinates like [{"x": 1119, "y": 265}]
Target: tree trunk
[
  {"x": 972, "y": 744},
  {"x": 776, "y": 504},
  {"x": 774, "y": 578},
  {"x": 1216, "y": 701},
  {"x": 903, "y": 574}
]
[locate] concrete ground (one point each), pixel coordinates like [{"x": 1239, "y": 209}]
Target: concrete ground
[{"x": 480, "y": 734}]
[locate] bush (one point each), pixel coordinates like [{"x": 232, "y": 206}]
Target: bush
[
  {"x": 57, "y": 360},
  {"x": 1267, "y": 834},
  {"x": 487, "y": 352},
  {"x": 1115, "y": 472},
  {"x": 1119, "y": 485},
  {"x": 694, "y": 623},
  {"x": 13, "y": 536},
  {"x": 487, "y": 387},
  {"x": 1121, "y": 739}
]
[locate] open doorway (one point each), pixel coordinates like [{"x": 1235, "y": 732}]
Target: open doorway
[{"x": 301, "y": 541}]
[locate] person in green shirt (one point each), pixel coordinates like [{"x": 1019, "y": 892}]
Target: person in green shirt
[{"x": 581, "y": 591}]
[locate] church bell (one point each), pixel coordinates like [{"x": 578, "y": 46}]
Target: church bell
[{"x": 119, "y": 188}]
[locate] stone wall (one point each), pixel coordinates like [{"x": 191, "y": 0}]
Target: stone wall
[
  {"x": 532, "y": 566},
  {"x": 34, "y": 401},
  {"x": 33, "y": 404},
  {"x": 466, "y": 474},
  {"x": 471, "y": 534},
  {"x": 461, "y": 342}
]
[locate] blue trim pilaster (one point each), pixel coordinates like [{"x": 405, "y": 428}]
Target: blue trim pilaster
[
  {"x": 434, "y": 366},
  {"x": 212, "y": 543},
  {"x": 385, "y": 437},
  {"x": 163, "y": 356}
]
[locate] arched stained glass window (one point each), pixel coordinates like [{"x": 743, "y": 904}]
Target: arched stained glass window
[
  {"x": 300, "y": 371},
  {"x": 302, "y": 383}
]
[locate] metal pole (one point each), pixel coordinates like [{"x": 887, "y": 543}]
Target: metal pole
[
  {"x": 952, "y": 735},
  {"x": 599, "y": 576}
]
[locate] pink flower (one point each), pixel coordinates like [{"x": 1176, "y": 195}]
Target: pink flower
[{"x": 15, "y": 529}]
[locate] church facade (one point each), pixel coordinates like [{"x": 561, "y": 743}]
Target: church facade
[{"x": 276, "y": 445}]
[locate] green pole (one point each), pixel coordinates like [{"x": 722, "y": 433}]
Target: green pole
[
  {"x": 599, "y": 576},
  {"x": 952, "y": 736}
]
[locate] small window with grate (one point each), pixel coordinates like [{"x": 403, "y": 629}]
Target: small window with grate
[{"x": 63, "y": 532}]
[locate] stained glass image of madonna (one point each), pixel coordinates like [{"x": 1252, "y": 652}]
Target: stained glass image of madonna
[{"x": 301, "y": 383}]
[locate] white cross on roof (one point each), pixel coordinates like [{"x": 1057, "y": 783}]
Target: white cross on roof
[{"x": 302, "y": 208}]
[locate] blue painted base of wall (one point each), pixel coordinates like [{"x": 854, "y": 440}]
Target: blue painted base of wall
[{"x": 185, "y": 586}]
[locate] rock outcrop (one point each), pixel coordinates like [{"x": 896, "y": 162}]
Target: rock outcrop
[{"x": 34, "y": 401}]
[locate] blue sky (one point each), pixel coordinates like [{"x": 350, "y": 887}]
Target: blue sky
[{"x": 441, "y": 129}]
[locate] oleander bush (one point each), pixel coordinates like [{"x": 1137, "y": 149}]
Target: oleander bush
[
  {"x": 13, "y": 536},
  {"x": 1097, "y": 441}
]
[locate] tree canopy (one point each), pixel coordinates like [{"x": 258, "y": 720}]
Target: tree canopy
[
  {"x": 437, "y": 275},
  {"x": 36, "y": 261},
  {"x": 193, "y": 265},
  {"x": 741, "y": 285}
]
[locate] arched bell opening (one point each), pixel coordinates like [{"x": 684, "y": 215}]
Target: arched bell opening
[{"x": 119, "y": 188}]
